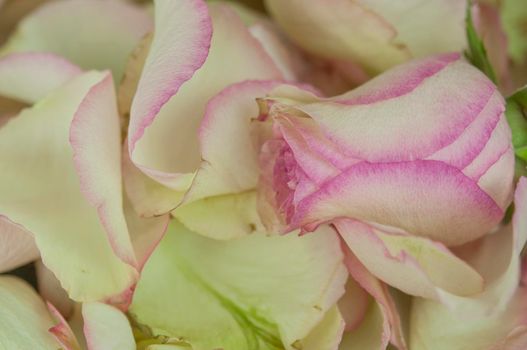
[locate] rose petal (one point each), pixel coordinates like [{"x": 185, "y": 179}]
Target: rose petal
[
  {"x": 354, "y": 305},
  {"x": 415, "y": 265},
  {"x": 181, "y": 39},
  {"x": 222, "y": 217},
  {"x": 224, "y": 131},
  {"x": 24, "y": 320},
  {"x": 147, "y": 196},
  {"x": 106, "y": 328},
  {"x": 392, "y": 194},
  {"x": 145, "y": 233},
  {"x": 497, "y": 257},
  {"x": 95, "y": 138},
  {"x": 92, "y": 34},
  {"x": 327, "y": 334},
  {"x": 352, "y": 25},
  {"x": 299, "y": 279},
  {"x": 363, "y": 120},
  {"x": 50, "y": 290},
  {"x": 371, "y": 333},
  {"x": 28, "y": 77},
  {"x": 51, "y": 204},
  {"x": 424, "y": 26},
  {"x": 17, "y": 245},
  {"x": 392, "y": 324},
  {"x": 433, "y": 326},
  {"x": 231, "y": 42},
  {"x": 62, "y": 331}
]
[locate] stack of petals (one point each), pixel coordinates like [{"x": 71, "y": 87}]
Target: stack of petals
[{"x": 295, "y": 175}]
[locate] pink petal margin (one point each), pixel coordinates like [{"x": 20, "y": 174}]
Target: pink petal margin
[
  {"x": 95, "y": 139},
  {"x": 29, "y": 76},
  {"x": 62, "y": 331},
  {"x": 187, "y": 52},
  {"x": 379, "y": 291}
]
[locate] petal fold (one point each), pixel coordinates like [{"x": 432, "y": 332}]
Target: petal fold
[
  {"x": 204, "y": 291},
  {"x": 52, "y": 205}
]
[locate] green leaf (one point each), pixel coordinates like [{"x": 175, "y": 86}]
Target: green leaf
[
  {"x": 476, "y": 53},
  {"x": 516, "y": 116},
  {"x": 256, "y": 292}
]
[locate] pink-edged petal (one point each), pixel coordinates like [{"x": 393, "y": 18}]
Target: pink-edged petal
[
  {"x": 176, "y": 125},
  {"x": 371, "y": 333},
  {"x": 226, "y": 130},
  {"x": 50, "y": 290},
  {"x": 488, "y": 135},
  {"x": 17, "y": 245},
  {"x": 145, "y": 233},
  {"x": 28, "y": 77},
  {"x": 179, "y": 47},
  {"x": 363, "y": 121},
  {"x": 76, "y": 324},
  {"x": 392, "y": 194},
  {"x": 106, "y": 328},
  {"x": 498, "y": 258},
  {"x": 433, "y": 326},
  {"x": 62, "y": 331},
  {"x": 132, "y": 73},
  {"x": 148, "y": 196},
  {"x": 51, "y": 205},
  {"x": 24, "y": 320},
  {"x": 319, "y": 158},
  {"x": 392, "y": 324},
  {"x": 355, "y": 34},
  {"x": 415, "y": 265},
  {"x": 95, "y": 138},
  {"x": 91, "y": 34},
  {"x": 354, "y": 305}
]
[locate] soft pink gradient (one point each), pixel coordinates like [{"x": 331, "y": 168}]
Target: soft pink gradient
[{"x": 423, "y": 148}]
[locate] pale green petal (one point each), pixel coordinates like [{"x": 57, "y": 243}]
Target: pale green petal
[
  {"x": 42, "y": 191},
  {"x": 261, "y": 290},
  {"x": 17, "y": 246},
  {"x": 369, "y": 335},
  {"x": 106, "y": 328},
  {"x": 24, "y": 319},
  {"x": 327, "y": 334},
  {"x": 222, "y": 217},
  {"x": 30, "y": 76},
  {"x": 92, "y": 34},
  {"x": 434, "y": 327}
]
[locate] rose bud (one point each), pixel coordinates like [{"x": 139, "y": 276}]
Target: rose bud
[{"x": 423, "y": 149}]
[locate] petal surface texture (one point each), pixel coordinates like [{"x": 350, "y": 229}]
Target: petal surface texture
[
  {"x": 205, "y": 291},
  {"x": 29, "y": 77},
  {"x": 24, "y": 320},
  {"x": 377, "y": 34},
  {"x": 69, "y": 194},
  {"x": 170, "y": 120},
  {"x": 91, "y": 34},
  {"x": 423, "y": 148},
  {"x": 106, "y": 328}
]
